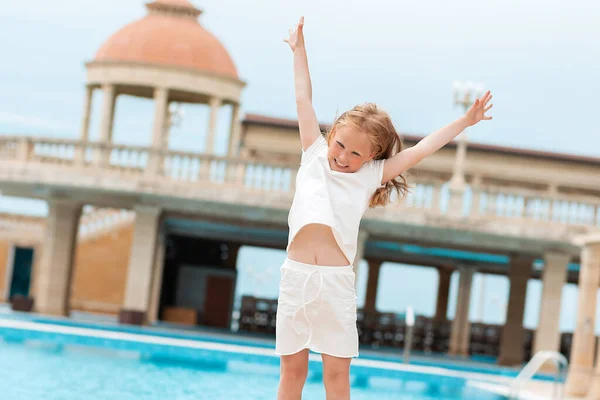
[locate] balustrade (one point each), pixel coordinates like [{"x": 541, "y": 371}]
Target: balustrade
[{"x": 429, "y": 194}]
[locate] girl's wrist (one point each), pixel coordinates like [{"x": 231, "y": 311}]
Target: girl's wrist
[
  {"x": 464, "y": 122},
  {"x": 299, "y": 49}
]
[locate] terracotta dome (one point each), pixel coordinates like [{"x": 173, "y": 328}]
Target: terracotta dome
[{"x": 171, "y": 35}]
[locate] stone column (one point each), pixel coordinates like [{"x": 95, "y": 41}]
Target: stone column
[
  {"x": 594, "y": 392},
  {"x": 582, "y": 349},
  {"x": 157, "y": 276},
  {"x": 215, "y": 105},
  {"x": 106, "y": 123},
  {"x": 161, "y": 101},
  {"x": 85, "y": 125},
  {"x": 205, "y": 165},
  {"x": 372, "y": 285},
  {"x": 360, "y": 252},
  {"x": 511, "y": 348},
  {"x": 443, "y": 292},
  {"x": 461, "y": 328},
  {"x": 233, "y": 168},
  {"x": 234, "y": 131},
  {"x": 173, "y": 118},
  {"x": 547, "y": 335},
  {"x": 233, "y": 254},
  {"x": 141, "y": 265},
  {"x": 53, "y": 280},
  {"x": 8, "y": 269}
]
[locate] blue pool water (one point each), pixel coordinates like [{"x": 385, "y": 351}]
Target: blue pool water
[{"x": 37, "y": 364}]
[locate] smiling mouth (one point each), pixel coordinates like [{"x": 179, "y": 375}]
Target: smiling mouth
[{"x": 338, "y": 164}]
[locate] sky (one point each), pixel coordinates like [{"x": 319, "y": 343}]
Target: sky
[{"x": 540, "y": 59}]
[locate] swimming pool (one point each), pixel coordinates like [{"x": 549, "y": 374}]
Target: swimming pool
[{"x": 61, "y": 362}]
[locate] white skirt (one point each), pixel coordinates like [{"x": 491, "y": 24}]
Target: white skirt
[{"x": 316, "y": 310}]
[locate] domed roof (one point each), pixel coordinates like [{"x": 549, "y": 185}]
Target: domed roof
[{"x": 171, "y": 35}]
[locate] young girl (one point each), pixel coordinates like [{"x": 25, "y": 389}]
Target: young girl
[{"x": 358, "y": 166}]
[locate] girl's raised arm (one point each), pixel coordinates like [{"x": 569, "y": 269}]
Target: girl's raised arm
[
  {"x": 307, "y": 119},
  {"x": 404, "y": 160}
]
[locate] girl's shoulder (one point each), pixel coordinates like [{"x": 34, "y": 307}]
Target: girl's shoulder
[
  {"x": 372, "y": 173},
  {"x": 314, "y": 149}
]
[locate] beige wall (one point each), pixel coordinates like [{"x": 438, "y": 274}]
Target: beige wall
[
  {"x": 259, "y": 140},
  {"x": 4, "y": 250},
  {"x": 101, "y": 271},
  {"x": 99, "y": 274},
  {"x": 283, "y": 143}
]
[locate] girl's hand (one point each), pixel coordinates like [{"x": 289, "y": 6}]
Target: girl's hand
[
  {"x": 296, "y": 38},
  {"x": 477, "y": 111}
]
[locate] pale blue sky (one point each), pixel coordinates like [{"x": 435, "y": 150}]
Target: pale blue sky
[{"x": 540, "y": 58}]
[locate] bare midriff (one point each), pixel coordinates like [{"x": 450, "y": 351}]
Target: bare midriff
[{"x": 315, "y": 244}]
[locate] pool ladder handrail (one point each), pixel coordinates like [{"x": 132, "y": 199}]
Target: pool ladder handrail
[{"x": 533, "y": 366}]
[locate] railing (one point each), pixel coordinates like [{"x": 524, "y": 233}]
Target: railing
[
  {"x": 534, "y": 365},
  {"x": 93, "y": 222},
  {"x": 21, "y": 226},
  {"x": 98, "y": 221},
  {"x": 429, "y": 193},
  {"x": 174, "y": 166},
  {"x": 523, "y": 204}
]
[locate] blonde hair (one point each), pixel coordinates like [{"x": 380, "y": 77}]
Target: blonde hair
[{"x": 385, "y": 142}]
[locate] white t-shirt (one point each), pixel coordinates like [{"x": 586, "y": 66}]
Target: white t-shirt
[{"x": 332, "y": 198}]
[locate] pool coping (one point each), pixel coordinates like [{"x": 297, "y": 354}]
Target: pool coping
[{"x": 505, "y": 390}]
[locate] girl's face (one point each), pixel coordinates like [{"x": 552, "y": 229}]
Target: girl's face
[{"x": 348, "y": 149}]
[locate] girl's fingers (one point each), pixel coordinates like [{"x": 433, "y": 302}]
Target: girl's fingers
[
  {"x": 300, "y": 24},
  {"x": 487, "y": 97},
  {"x": 488, "y": 107},
  {"x": 487, "y": 118}
]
